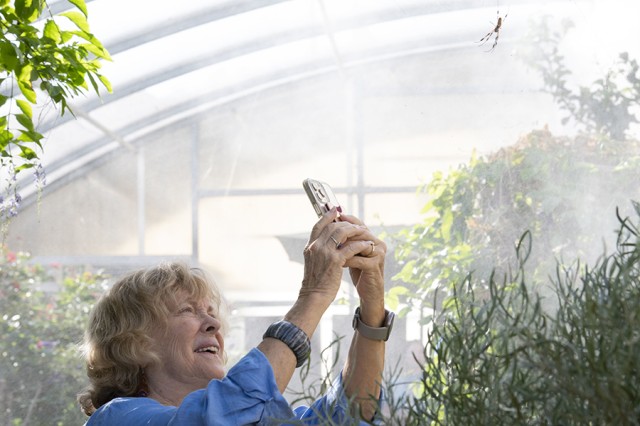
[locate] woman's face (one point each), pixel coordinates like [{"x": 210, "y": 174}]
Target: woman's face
[{"x": 191, "y": 348}]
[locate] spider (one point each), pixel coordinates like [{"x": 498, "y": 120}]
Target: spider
[{"x": 495, "y": 31}]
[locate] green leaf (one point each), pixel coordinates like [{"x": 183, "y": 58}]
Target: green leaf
[
  {"x": 24, "y": 83},
  {"x": 99, "y": 52},
  {"x": 25, "y": 121},
  {"x": 27, "y": 153},
  {"x": 8, "y": 56},
  {"x": 78, "y": 19},
  {"x": 64, "y": 106},
  {"x": 89, "y": 37},
  {"x": 406, "y": 274},
  {"x": 5, "y": 138},
  {"x": 52, "y": 31},
  {"x": 28, "y": 10},
  {"x": 448, "y": 304},
  {"x": 66, "y": 36},
  {"x": 24, "y": 166},
  {"x": 25, "y": 107},
  {"x": 27, "y": 91},
  {"x": 97, "y": 47},
  {"x": 447, "y": 223},
  {"x": 3, "y": 99},
  {"x": 31, "y": 136},
  {"x": 404, "y": 311},
  {"x": 398, "y": 290},
  {"x": 24, "y": 73},
  {"x": 80, "y": 4},
  {"x": 106, "y": 82},
  {"x": 81, "y": 34},
  {"x": 392, "y": 297},
  {"x": 94, "y": 84},
  {"x": 54, "y": 91}
]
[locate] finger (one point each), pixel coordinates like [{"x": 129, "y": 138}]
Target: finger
[
  {"x": 365, "y": 234},
  {"x": 351, "y": 219},
  {"x": 359, "y": 248},
  {"x": 369, "y": 251},
  {"x": 373, "y": 250},
  {"x": 341, "y": 232},
  {"x": 336, "y": 241},
  {"x": 321, "y": 224},
  {"x": 357, "y": 222},
  {"x": 363, "y": 263}
]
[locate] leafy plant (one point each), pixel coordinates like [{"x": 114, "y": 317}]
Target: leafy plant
[
  {"x": 501, "y": 358},
  {"x": 41, "y": 327},
  {"x": 608, "y": 107},
  {"x": 42, "y": 56},
  {"x": 558, "y": 188}
]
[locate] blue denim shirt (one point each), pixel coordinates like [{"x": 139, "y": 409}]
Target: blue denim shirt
[{"x": 247, "y": 395}]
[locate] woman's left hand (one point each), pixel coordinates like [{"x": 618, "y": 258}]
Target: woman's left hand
[{"x": 367, "y": 269}]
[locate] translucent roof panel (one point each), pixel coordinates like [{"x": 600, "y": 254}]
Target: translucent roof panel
[{"x": 173, "y": 62}]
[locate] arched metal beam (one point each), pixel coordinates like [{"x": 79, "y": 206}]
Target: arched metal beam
[{"x": 165, "y": 74}]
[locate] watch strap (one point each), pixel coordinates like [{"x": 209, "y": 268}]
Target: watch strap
[{"x": 374, "y": 333}]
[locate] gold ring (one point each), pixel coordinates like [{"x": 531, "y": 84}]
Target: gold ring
[
  {"x": 373, "y": 249},
  {"x": 335, "y": 241}
]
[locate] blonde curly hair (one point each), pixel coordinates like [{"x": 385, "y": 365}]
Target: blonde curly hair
[{"x": 117, "y": 343}]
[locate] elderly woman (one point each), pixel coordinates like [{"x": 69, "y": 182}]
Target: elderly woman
[{"x": 154, "y": 345}]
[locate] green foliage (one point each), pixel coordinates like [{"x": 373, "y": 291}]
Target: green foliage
[
  {"x": 499, "y": 358},
  {"x": 559, "y": 189},
  {"x": 500, "y": 350},
  {"x": 40, "y": 368},
  {"x": 43, "y": 58},
  {"x": 608, "y": 107}
]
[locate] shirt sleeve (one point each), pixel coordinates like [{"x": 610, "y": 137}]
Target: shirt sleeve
[
  {"x": 247, "y": 395},
  {"x": 334, "y": 406}
]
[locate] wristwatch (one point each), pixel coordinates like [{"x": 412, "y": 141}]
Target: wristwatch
[{"x": 374, "y": 333}]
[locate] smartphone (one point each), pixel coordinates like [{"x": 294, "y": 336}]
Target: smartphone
[{"x": 321, "y": 196}]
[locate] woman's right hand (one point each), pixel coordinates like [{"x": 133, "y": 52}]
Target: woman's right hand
[{"x": 331, "y": 244}]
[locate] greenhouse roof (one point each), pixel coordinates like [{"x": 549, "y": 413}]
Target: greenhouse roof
[{"x": 173, "y": 61}]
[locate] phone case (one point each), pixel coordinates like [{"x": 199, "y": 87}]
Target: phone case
[{"x": 321, "y": 196}]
